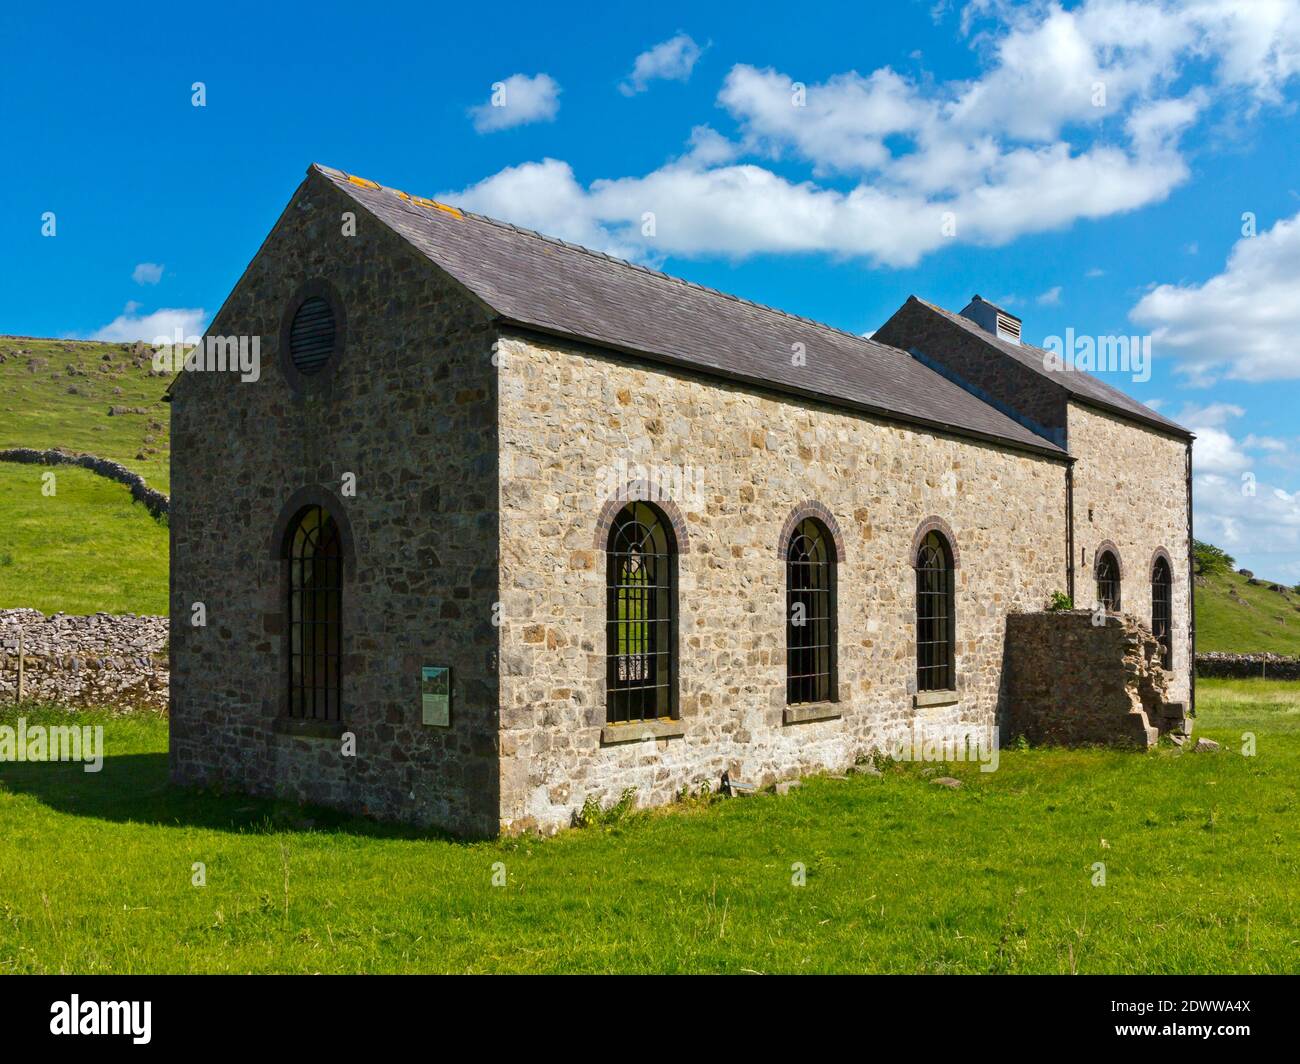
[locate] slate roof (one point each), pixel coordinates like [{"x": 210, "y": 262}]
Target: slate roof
[
  {"x": 539, "y": 283},
  {"x": 1082, "y": 386}
]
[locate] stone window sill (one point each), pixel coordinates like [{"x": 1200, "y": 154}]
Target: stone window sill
[
  {"x": 812, "y": 711},
  {"x": 641, "y": 731},
  {"x": 935, "y": 698},
  {"x": 309, "y": 729}
]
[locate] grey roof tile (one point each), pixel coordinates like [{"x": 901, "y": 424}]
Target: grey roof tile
[{"x": 548, "y": 285}]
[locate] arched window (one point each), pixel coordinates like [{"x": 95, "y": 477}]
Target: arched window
[
  {"x": 1162, "y": 610},
  {"x": 935, "y": 614},
  {"x": 1108, "y": 581},
  {"x": 810, "y": 650},
  {"x": 315, "y": 614},
  {"x": 640, "y": 626}
]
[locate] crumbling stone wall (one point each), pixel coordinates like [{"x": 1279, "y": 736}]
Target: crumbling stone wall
[
  {"x": 1071, "y": 681},
  {"x": 102, "y": 660}
]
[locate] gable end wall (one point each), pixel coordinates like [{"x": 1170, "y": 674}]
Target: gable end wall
[{"x": 410, "y": 409}]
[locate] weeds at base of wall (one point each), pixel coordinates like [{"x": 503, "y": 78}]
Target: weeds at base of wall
[{"x": 592, "y": 814}]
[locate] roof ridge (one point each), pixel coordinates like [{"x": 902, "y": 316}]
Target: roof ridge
[{"x": 583, "y": 249}]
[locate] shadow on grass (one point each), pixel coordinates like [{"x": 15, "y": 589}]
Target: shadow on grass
[{"x": 134, "y": 789}]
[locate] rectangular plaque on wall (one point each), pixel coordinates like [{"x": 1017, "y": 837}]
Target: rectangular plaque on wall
[{"x": 435, "y": 695}]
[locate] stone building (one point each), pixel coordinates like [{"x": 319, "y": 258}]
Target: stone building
[{"x": 503, "y": 524}]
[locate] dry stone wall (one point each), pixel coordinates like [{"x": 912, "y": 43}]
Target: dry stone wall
[
  {"x": 150, "y": 498},
  {"x": 101, "y": 660}
]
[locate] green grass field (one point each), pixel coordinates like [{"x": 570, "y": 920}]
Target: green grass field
[
  {"x": 901, "y": 875},
  {"x": 87, "y": 548}
]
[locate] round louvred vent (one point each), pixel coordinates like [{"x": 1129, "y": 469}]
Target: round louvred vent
[{"x": 312, "y": 335}]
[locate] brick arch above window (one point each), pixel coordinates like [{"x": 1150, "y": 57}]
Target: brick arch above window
[
  {"x": 642, "y": 491},
  {"x": 936, "y": 524},
  {"x": 313, "y": 495},
  {"x": 1156, "y": 555},
  {"x": 1104, "y": 546},
  {"x": 810, "y": 508}
]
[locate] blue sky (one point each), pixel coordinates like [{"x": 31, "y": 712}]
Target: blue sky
[{"x": 1087, "y": 164}]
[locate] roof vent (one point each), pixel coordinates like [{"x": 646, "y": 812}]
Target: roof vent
[
  {"x": 311, "y": 337},
  {"x": 993, "y": 319}
]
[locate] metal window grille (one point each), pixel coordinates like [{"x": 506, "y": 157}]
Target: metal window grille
[
  {"x": 641, "y": 633},
  {"x": 1108, "y": 581},
  {"x": 810, "y": 616},
  {"x": 315, "y": 616},
  {"x": 935, "y": 615},
  {"x": 1162, "y": 611}
]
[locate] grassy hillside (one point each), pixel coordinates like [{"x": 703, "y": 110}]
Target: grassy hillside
[
  {"x": 901, "y": 875},
  {"x": 88, "y": 547},
  {"x": 58, "y": 393},
  {"x": 1235, "y": 616}
]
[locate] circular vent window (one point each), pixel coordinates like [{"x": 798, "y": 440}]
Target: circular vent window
[{"x": 312, "y": 335}]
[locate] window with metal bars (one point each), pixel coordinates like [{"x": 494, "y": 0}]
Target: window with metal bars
[
  {"x": 315, "y": 615},
  {"x": 935, "y": 615},
  {"x": 810, "y": 630},
  {"x": 1162, "y": 611},
  {"x": 641, "y": 629},
  {"x": 1108, "y": 581}
]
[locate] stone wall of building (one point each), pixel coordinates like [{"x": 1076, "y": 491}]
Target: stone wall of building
[
  {"x": 1072, "y": 681},
  {"x": 576, "y": 426},
  {"x": 103, "y": 660},
  {"x": 1015, "y": 389},
  {"x": 408, "y": 408},
  {"x": 1130, "y": 489}
]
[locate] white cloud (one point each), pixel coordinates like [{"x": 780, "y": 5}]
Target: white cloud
[
  {"x": 901, "y": 165},
  {"x": 1265, "y": 523},
  {"x": 147, "y": 273},
  {"x": 517, "y": 101},
  {"x": 130, "y": 325},
  {"x": 1242, "y": 323},
  {"x": 1095, "y": 272},
  {"x": 1050, "y": 298},
  {"x": 670, "y": 60}
]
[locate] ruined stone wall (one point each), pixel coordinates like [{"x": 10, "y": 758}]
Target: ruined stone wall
[
  {"x": 409, "y": 408},
  {"x": 1130, "y": 489},
  {"x": 573, "y": 422},
  {"x": 102, "y": 660},
  {"x": 1072, "y": 681}
]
